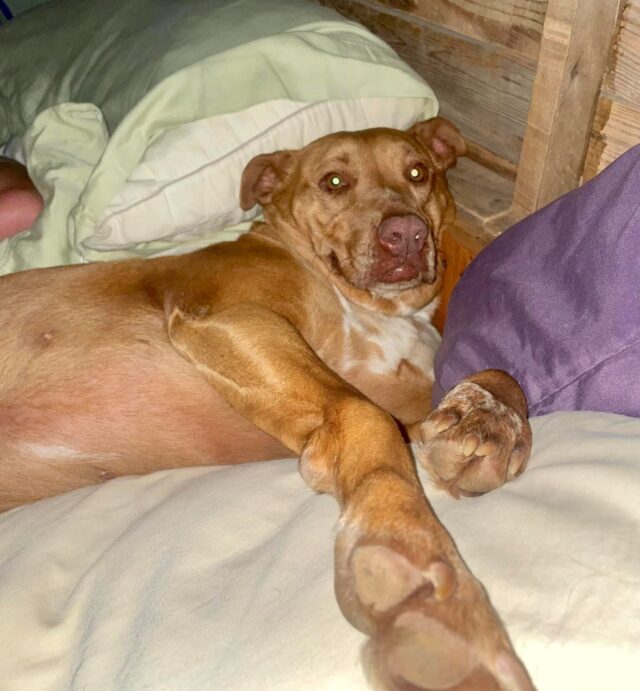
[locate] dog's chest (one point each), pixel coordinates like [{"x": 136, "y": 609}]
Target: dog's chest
[{"x": 398, "y": 350}]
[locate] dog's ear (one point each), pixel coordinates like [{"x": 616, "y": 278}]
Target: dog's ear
[
  {"x": 443, "y": 140},
  {"x": 261, "y": 177}
]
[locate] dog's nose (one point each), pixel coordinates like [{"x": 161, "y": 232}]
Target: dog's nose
[{"x": 403, "y": 235}]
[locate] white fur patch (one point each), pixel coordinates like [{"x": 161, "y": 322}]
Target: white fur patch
[
  {"x": 61, "y": 453},
  {"x": 53, "y": 452},
  {"x": 395, "y": 338}
]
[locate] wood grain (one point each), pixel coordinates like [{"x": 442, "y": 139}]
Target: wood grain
[
  {"x": 616, "y": 126},
  {"x": 616, "y": 130},
  {"x": 573, "y": 56},
  {"x": 596, "y": 140},
  {"x": 481, "y": 196},
  {"x": 621, "y": 81},
  {"x": 513, "y": 24}
]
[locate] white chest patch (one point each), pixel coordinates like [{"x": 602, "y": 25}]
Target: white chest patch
[{"x": 382, "y": 342}]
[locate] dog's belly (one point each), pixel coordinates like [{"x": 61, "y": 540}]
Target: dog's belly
[{"x": 133, "y": 412}]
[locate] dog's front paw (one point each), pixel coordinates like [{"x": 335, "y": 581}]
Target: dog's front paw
[
  {"x": 473, "y": 442},
  {"x": 430, "y": 623}
]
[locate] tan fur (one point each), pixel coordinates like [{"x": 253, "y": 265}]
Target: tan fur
[{"x": 310, "y": 334}]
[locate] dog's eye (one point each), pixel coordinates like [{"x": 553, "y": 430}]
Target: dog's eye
[
  {"x": 417, "y": 173},
  {"x": 333, "y": 182}
]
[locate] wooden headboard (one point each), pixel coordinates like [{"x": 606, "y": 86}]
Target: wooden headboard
[{"x": 545, "y": 92}]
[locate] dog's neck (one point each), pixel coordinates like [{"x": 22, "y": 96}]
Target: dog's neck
[{"x": 403, "y": 304}]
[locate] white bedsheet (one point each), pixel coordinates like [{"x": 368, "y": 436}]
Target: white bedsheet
[{"x": 212, "y": 579}]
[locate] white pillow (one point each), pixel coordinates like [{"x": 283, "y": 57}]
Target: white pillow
[{"x": 190, "y": 175}]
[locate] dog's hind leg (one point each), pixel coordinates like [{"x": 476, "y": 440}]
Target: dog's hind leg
[{"x": 398, "y": 575}]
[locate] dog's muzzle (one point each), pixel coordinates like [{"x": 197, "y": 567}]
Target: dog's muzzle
[{"x": 404, "y": 249}]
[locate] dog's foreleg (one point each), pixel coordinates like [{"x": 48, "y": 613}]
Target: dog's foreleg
[{"x": 398, "y": 575}]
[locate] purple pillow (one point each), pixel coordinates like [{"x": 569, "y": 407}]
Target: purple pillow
[{"x": 555, "y": 301}]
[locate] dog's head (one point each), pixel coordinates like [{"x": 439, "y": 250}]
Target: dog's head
[{"x": 368, "y": 207}]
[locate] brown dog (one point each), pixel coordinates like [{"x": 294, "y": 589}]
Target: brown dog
[{"x": 310, "y": 334}]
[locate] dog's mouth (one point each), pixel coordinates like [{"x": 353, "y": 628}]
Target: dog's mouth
[
  {"x": 398, "y": 270},
  {"x": 398, "y": 274}
]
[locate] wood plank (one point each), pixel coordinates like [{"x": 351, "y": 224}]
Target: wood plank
[
  {"x": 516, "y": 25},
  {"x": 458, "y": 257},
  {"x": 573, "y": 56},
  {"x": 622, "y": 77},
  {"x": 481, "y": 197},
  {"x": 596, "y": 139},
  {"x": 484, "y": 89},
  {"x": 616, "y": 130},
  {"x": 480, "y": 154}
]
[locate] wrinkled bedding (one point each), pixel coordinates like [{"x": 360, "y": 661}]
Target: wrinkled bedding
[{"x": 221, "y": 578}]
